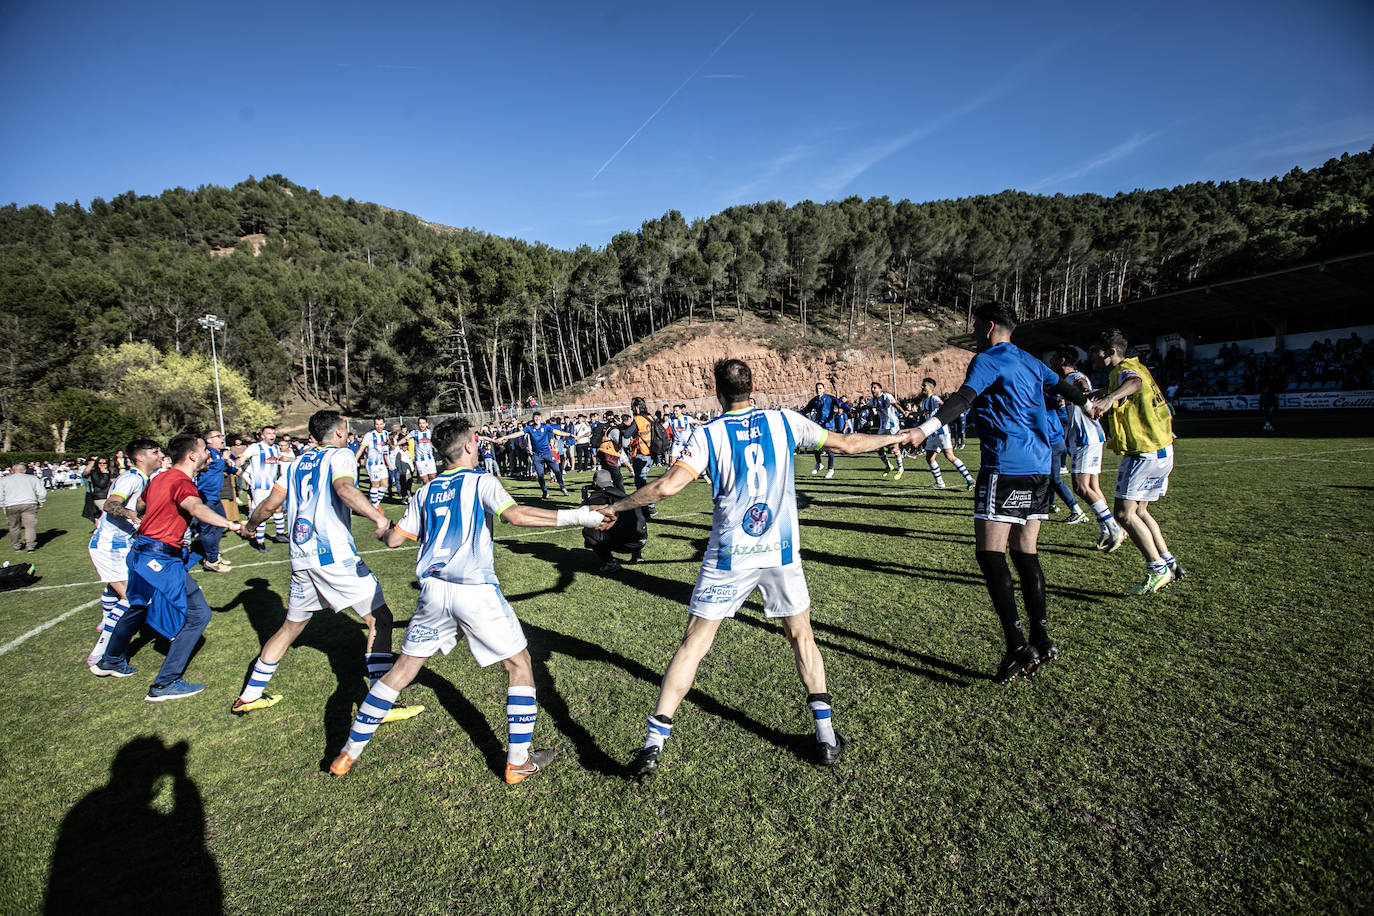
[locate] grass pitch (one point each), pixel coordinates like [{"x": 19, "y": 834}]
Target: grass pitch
[{"x": 1206, "y": 749}]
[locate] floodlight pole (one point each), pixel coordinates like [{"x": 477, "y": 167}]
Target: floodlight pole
[
  {"x": 213, "y": 323},
  {"x": 891, "y": 343}
]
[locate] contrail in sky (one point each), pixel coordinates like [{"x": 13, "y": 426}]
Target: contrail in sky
[{"x": 630, "y": 139}]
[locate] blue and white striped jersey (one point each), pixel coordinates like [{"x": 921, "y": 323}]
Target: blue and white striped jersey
[
  {"x": 318, "y": 519},
  {"x": 680, "y": 428},
  {"x": 1082, "y": 429},
  {"x": 262, "y": 463},
  {"x": 747, "y": 454},
  {"x": 424, "y": 449},
  {"x": 930, "y": 405},
  {"x": 885, "y": 405},
  {"x": 376, "y": 444},
  {"x": 118, "y": 533},
  {"x": 452, "y": 518}
]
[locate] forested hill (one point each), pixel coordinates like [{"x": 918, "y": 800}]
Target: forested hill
[{"x": 353, "y": 303}]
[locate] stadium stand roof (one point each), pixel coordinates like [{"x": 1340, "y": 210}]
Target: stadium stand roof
[{"x": 1335, "y": 293}]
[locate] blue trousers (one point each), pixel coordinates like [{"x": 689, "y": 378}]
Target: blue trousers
[
  {"x": 1057, "y": 453},
  {"x": 540, "y": 460},
  {"x": 179, "y": 656},
  {"x": 210, "y": 535}
]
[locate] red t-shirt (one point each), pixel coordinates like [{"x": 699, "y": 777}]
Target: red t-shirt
[{"x": 164, "y": 519}]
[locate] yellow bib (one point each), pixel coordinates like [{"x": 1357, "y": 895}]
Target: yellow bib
[{"x": 1141, "y": 422}]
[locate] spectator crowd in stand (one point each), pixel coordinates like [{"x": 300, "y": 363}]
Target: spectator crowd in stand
[{"x": 1344, "y": 364}]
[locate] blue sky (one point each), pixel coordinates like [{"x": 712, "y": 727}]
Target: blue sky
[{"x": 568, "y": 122}]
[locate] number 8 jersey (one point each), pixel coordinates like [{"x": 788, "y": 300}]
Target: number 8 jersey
[
  {"x": 747, "y": 454},
  {"x": 451, "y": 517}
]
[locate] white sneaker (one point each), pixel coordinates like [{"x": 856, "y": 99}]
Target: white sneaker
[
  {"x": 816, "y": 470},
  {"x": 830, "y": 473}
]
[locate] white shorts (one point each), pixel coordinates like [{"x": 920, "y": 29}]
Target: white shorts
[
  {"x": 111, "y": 563},
  {"x": 675, "y": 452},
  {"x": 1086, "y": 459},
  {"x": 887, "y": 428},
  {"x": 1145, "y": 478},
  {"x": 719, "y": 593},
  {"x": 346, "y": 584},
  {"x": 378, "y": 477},
  {"x": 256, "y": 498},
  {"x": 481, "y": 611},
  {"x": 425, "y": 466},
  {"x": 938, "y": 441}
]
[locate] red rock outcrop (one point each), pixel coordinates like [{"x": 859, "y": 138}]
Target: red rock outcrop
[{"x": 784, "y": 375}]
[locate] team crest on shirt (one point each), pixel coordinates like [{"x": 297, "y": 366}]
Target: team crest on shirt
[
  {"x": 302, "y": 531},
  {"x": 757, "y": 518}
]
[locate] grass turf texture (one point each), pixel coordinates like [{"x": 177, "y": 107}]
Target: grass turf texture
[{"x": 1206, "y": 749}]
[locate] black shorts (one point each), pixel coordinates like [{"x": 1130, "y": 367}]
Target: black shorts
[{"x": 1013, "y": 498}]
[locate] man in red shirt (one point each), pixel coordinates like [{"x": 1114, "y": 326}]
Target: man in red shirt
[{"x": 161, "y": 590}]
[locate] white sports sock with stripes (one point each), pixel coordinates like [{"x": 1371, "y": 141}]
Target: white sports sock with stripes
[
  {"x": 963, "y": 469},
  {"x": 371, "y": 711},
  {"x": 257, "y": 681},
  {"x": 520, "y": 715},
  {"x": 378, "y": 664},
  {"x": 819, "y": 704},
  {"x": 108, "y": 619},
  {"x": 659, "y": 730},
  {"x": 935, "y": 470}
]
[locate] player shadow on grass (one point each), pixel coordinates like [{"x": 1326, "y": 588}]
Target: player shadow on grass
[
  {"x": 544, "y": 643},
  {"x": 929, "y": 661},
  {"x": 47, "y": 537},
  {"x": 137, "y": 844},
  {"x": 340, "y": 637}
]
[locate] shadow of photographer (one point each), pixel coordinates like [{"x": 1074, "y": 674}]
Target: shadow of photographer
[{"x": 137, "y": 844}]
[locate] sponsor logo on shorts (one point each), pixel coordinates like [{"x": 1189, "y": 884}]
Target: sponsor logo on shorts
[
  {"x": 758, "y": 518},
  {"x": 418, "y": 632},
  {"x": 1017, "y": 499},
  {"x": 718, "y": 594},
  {"x": 302, "y": 531},
  {"x": 155, "y": 566},
  {"x": 1152, "y": 483},
  {"x": 297, "y": 590}
]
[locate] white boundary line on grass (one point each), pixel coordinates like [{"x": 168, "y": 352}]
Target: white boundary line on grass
[
  {"x": 51, "y": 623},
  {"x": 1335, "y": 451},
  {"x": 92, "y": 603}
]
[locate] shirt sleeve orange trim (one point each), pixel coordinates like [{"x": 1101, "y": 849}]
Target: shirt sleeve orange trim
[{"x": 406, "y": 534}]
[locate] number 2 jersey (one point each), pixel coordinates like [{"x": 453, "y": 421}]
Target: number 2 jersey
[
  {"x": 452, "y": 517},
  {"x": 320, "y": 531},
  {"x": 747, "y": 455}
]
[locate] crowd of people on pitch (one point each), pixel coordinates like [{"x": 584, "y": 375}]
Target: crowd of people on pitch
[{"x": 140, "y": 547}]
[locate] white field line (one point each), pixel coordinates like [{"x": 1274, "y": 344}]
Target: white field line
[
  {"x": 408, "y": 545},
  {"x": 1335, "y": 451},
  {"x": 51, "y": 623}
]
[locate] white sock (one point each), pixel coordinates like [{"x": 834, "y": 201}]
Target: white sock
[
  {"x": 659, "y": 730},
  {"x": 520, "y": 715},
  {"x": 371, "y": 711},
  {"x": 963, "y": 469},
  {"x": 257, "y": 681},
  {"x": 377, "y": 664},
  {"x": 819, "y": 704}
]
